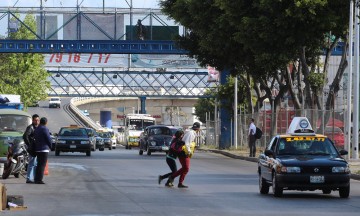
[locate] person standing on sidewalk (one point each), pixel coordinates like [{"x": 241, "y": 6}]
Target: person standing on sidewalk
[
  {"x": 188, "y": 148},
  {"x": 171, "y": 156},
  {"x": 252, "y": 139},
  {"x": 29, "y": 140},
  {"x": 42, "y": 148}
]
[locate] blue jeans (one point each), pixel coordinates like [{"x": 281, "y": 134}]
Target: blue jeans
[{"x": 31, "y": 168}]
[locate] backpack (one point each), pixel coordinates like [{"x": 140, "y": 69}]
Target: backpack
[
  {"x": 176, "y": 146},
  {"x": 258, "y": 133}
]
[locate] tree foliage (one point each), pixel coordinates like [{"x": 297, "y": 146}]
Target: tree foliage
[
  {"x": 225, "y": 93},
  {"x": 263, "y": 38},
  {"x": 23, "y": 73}
]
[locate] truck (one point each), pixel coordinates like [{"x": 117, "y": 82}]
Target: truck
[
  {"x": 10, "y": 101},
  {"x": 134, "y": 126}
]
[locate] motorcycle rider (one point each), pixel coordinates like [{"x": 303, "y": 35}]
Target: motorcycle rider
[{"x": 29, "y": 140}]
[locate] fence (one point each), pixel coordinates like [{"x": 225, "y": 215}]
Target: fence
[{"x": 333, "y": 128}]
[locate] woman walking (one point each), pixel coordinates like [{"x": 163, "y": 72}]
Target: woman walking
[{"x": 176, "y": 144}]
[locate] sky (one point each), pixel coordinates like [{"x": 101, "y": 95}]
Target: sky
[{"x": 84, "y": 3}]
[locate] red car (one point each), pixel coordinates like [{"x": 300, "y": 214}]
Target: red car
[{"x": 336, "y": 135}]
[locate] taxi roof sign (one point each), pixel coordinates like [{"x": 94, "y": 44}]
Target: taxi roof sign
[{"x": 300, "y": 126}]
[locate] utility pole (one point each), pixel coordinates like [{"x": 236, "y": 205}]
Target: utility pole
[
  {"x": 349, "y": 84},
  {"x": 355, "y": 153}
]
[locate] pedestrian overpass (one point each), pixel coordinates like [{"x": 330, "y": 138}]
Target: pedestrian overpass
[{"x": 107, "y": 31}]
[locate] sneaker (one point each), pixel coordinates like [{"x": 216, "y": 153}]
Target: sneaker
[
  {"x": 159, "y": 179},
  {"x": 39, "y": 182},
  {"x": 169, "y": 184},
  {"x": 182, "y": 186},
  {"x": 29, "y": 182}
]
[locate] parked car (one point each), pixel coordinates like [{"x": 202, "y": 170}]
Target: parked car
[
  {"x": 302, "y": 160},
  {"x": 336, "y": 135},
  {"x": 155, "y": 138}
]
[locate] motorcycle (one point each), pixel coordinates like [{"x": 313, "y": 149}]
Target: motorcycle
[{"x": 17, "y": 159}]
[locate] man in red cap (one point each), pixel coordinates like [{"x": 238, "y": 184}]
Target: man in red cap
[{"x": 184, "y": 159}]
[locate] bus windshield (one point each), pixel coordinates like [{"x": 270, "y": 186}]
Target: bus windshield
[{"x": 139, "y": 124}]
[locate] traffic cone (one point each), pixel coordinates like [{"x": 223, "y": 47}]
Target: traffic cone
[{"x": 46, "y": 171}]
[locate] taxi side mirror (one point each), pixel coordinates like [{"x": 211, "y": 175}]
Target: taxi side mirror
[
  {"x": 343, "y": 152},
  {"x": 269, "y": 153}
]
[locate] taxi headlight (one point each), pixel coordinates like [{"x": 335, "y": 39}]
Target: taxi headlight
[
  {"x": 153, "y": 143},
  {"x": 84, "y": 142},
  {"x": 290, "y": 169},
  {"x": 61, "y": 141},
  {"x": 341, "y": 169}
]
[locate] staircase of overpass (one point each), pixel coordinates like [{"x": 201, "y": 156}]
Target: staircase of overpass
[{"x": 101, "y": 52}]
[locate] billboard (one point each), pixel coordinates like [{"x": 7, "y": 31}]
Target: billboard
[
  {"x": 93, "y": 26},
  {"x": 119, "y": 60},
  {"x": 50, "y": 26}
]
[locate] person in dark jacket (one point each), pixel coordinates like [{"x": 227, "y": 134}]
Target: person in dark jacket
[
  {"x": 42, "y": 148},
  {"x": 30, "y": 142},
  {"x": 176, "y": 143}
]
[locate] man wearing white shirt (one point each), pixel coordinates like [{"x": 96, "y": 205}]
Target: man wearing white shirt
[{"x": 252, "y": 139}]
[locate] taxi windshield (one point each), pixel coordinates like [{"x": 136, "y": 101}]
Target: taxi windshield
[
  {"x": 306, "y": 146},
  {"x": 73, "y": 132}
]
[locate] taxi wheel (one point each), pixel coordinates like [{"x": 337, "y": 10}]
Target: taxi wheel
[
  {"x": 57, "y": 152},
  {"x": 344, "y": 192},
  {"x": 263, "y": 187},
  {"x": 88, "y": 153},
  {"x": 127, "y": 146},
  {"x": 278, "y": 191},
  {"x": 110, "y": 148},
  {"x": 141, "y": 152},
  {"x": 102, "y": 149},
  {"x": 326, "y": 191}
]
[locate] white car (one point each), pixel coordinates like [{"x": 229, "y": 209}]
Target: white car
[
  {"x": 113, "y": 142},
  {"x": 54, "y": 102}
]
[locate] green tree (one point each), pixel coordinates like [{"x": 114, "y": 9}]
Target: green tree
[
  {"x": 23, "y": 73},
  {"x": 207, "y": 105},
  {"x": 275, "y": 43}
]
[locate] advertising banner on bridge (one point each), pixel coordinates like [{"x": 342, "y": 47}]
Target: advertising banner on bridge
[
  {"x": 162, "y": 61},
  {"x": 119, "y": 60}
]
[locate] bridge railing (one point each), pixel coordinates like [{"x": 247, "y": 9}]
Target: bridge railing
[{"x": 73, "y": 107}]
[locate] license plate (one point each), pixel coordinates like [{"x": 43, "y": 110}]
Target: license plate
[
  {"x": 72, "y": 146},
  {"x": 165, "y": 148},
  {"x": 317, "y": 179}
]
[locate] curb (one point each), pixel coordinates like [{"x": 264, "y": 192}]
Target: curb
[{"x": 228, "y": 154}]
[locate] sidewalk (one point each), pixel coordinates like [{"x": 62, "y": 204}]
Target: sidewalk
[{"x": 244, "y": 155}]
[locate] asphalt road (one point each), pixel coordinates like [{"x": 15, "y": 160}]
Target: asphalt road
[
  {"x": 121, "y": 182},
  {"x": 57, "y": 118}
]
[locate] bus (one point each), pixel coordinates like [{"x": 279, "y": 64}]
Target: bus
[
  {"x": 134, "y": 126},
  {"x": 9, "y": 101}
]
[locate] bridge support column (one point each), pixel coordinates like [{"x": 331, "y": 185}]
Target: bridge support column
[
  {"x": 105, "y": 118},
  {"x": 143, "y": 103},
  {"x": 225, "y": 118}
]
